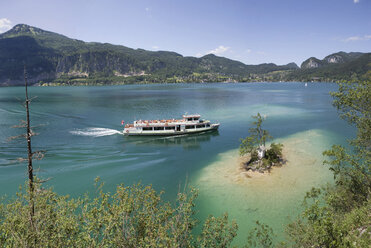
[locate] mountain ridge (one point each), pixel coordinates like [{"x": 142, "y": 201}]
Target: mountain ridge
[
  {"x": 334, "y": 58},
  {"x": 53, "y": 58}
]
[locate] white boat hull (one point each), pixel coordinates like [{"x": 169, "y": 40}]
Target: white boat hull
[{"x": 135, "y": 132}]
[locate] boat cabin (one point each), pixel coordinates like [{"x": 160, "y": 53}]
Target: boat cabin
[{"x": 191, "y": 117}]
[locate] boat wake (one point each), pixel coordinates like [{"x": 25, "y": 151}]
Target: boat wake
[{"x": 95, "y": 132}]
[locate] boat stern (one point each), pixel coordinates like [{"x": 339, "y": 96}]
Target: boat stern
[{"x": 129, "y": 129}]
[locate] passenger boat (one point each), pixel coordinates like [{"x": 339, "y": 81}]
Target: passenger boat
[{"x": 189, "y": 124}]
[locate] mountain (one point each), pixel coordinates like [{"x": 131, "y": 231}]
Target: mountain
[
  {"x": 334, "y": 67},
  {"x": 54, "y": 58},
  {"x": 312, "y": 62},
  {"x": 335, "y": 58}
]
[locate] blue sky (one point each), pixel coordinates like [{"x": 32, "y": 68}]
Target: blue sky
[{"x": 251, "y": 31}]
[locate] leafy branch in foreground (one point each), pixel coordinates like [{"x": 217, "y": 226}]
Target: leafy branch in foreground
[
  {"x": 352, "y": 168},
  {"x": 260, "y": 236},
  {"x": 134, "y": 216},
  {"x": 339, "y": 215}
]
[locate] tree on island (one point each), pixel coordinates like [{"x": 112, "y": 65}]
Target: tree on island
[{"x": 261, "y": 158}]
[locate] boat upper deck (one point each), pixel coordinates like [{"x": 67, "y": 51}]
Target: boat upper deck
[{"x": 145, "y": 123}]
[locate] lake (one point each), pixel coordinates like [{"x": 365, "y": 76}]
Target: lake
[{"x": 80, "y": 127}]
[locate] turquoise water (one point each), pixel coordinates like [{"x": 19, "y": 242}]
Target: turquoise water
[{"x": 80, "y": 129}]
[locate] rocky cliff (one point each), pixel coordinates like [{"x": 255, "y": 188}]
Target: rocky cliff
[{"x": 336, "y": 58}]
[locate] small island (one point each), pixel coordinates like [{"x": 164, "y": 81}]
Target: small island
[{"x": 254, "y": 152}]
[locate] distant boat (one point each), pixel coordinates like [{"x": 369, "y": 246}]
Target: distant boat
[
  {"x": 306, "y": 84},
  {"x": 189, "y": 124}
]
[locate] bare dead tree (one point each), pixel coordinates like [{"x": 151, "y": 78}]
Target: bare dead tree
[{"x": 29, "y": 154}]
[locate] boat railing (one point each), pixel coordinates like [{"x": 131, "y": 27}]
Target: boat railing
[{"x": 146, "y": 123}]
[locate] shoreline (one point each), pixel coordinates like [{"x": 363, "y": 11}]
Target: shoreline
[{"x": 52, "y": 84}]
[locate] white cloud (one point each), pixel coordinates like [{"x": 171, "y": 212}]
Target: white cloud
[
  {"x": 155, "y": 47},
  {"x": 248, "y": 50},
  {"x": 5, "y": 25},
  {"x": 353, "y": 38},
  {"x": 219, "y": 50},
  {"x": 356, "y": 1},
  {"x": 147, "y": 9},
  {"x": 358, "y": 38}
]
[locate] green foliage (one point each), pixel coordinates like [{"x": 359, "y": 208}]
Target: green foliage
[
  {"x": 258, "y": 136},
  {"x": 134, "y": 216},
  {"x": 352, "y": 176},
  {"x": 339, "y": 215},
  {"x": 217, "y": 232},
  {"x": 55, "y": 224},
  {"x": 258, "y": 133},
  {"x": 321, "y": 225},
  {"x": 274, "y": 153},
  {"x": 248, "y": 145},
  {"x": 354, "y": 66},
  {"x": 261, "y": 236},
  {"x": 353, "y": 100},
  {"x": 352, "y": 168},
  {"x": 254, "y": 156}
]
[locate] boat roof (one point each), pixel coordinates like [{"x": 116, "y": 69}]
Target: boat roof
[{"x": 191, "y": 116}]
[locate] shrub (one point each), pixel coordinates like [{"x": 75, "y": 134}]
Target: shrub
[
  {"x": 274, "y": 153},
  {"x": 133, "y": 216}
]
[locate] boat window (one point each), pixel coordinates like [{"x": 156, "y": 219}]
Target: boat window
[
  {"x": 200, "y": 125},
  {"x": 147, "y": 128},
  {"x": 208, "y": 125},
  {"x": 159, "y": 128},
  {"x": 189, "y": 119},
  {"x": 190, "y": 127},
  {"x": 170, "y": 128},
  {"x": 196, "y": 118}
]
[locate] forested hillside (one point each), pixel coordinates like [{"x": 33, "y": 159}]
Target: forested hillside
[{"x": 54, "y": 59}]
